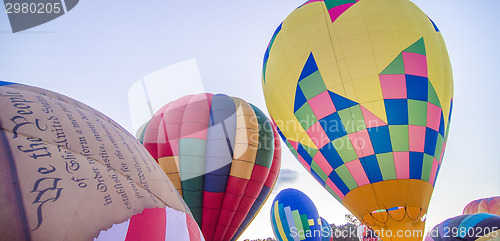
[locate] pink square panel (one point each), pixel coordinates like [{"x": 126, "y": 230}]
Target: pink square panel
[
  {"x": 358, "y": 172},
  {"x": 416, "y": 136},
  {"x": 415, "y": 64},
  {"x": 318, "y": 135},
  {"x": 322, "y": 105},
  {"x": 402, "y": 164},
  {"x": 362, "y": 143},
  {"x": 433, "y": 116},
  {"x": 323, "y": 163},
  {"x": 393, "y": 86}
]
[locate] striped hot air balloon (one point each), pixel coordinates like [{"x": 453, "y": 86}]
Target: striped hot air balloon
[
  {"x": 295, "y": 217},
  {"x": 223, "y": 156}
]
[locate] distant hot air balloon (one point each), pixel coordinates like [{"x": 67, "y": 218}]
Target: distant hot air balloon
[
  {"x": 361, "y": 92},
  {"x": 366, "y": 234},
  {"x": 68, "y": 172},
  {"x": 295, "y": 217},
  {"x": 326, "y": 230},
  {"x": 484, "y": 205},
  {"x": 478, "y": 227},
  {"x": 223, "y": 156}
]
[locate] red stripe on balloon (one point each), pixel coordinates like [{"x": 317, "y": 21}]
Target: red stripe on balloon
[{"x": 149, "y": 225}]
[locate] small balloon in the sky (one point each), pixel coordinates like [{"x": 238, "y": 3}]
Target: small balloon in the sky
[
  {"x": 326, "y": 230},
  {"x": 295, "y": 217},
  {"x": 476, "y": 227},
  {"x": 484, "y": 205},
  {"x": 367, "y": 234}
]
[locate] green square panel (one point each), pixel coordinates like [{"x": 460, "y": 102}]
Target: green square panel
[
  {"x": 312, "y": 151},
  {"x": 318, "y": 171},
  {"x": 346, "y": 177},
  {"x": 433, "y": 97},
  {"x": 312, "y": 85},
  {"x": 397, "y": 66},
  {"x": 306, "y": 116},
  {"x": 386, "y": 164},
  {"x": 417, "y": 112},
  {"x": 352, "y": 119},
  {"x": 439, "y": 147},
  {"x": 417, "y": 47},
  {"x": 427, "y": 167},
  {"x": 399, "y": 138},
  {"x": 345, "y": 149}
]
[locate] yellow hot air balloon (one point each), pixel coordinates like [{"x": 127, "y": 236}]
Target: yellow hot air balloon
[{"x": 361, "y": 92}]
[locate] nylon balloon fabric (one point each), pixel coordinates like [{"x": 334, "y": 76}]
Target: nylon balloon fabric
[
  {"x": 484, "y": 205},
  {"x": 68, "y": 172},
  {"x": 295, "y": 217},
  {"x": 361, "y": 92},
  {"x": 479, "y": 227},
  {"x": 154, "y": 224},
  {"x": 222, "y": 156}
]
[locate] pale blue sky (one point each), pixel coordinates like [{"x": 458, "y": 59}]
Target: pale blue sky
[{"x": 96, "y": 51}]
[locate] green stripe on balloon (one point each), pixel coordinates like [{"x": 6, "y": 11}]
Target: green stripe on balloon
[
  {"x": 305, "y": 222},
  {"x": 319, "y": 171},
  {"x": 399, "y": 138},
  {"x": 346, "y": 177},
  {"x": 417, "y": 112},
  {"x": 432, "y": 95},
  {"x": 386, "y": 164},
  {"x": 298, "y": 224},
  {"x": 266, "y": 139},
  {"x": 397, "y": 66},
  {"x": 439, "y": 146},
  {"x": 427, "y": 167},
  {"x": 312, "y": 85}
]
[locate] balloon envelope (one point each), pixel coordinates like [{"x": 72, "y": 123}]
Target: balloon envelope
[
  {"x": 484, "y": 205},
  {"x": 68, "y": 172},
  {"x": 480, "y": 227},
  {"x": 155, "y": 224},
  {"x": 326, "y": 230},
  {"x": 361, "y": 93},
  {"x": 366, "y": 234},
  {"x": 223, "y": 156},
  {"x": 295, "y": 217}
]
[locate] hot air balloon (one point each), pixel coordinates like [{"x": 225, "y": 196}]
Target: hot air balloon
[
  {"x": 68, "y": 172},
  {"x": 484, "y": 205},
  {"x": 326, "y": 230},
  {"x": 361, "y": 92},
  {"x": 223, "y": 156},
  {"x": 295, "y": 217},
  {"x": 479, "y": 227},
  {"x": 366, "y": 234},
  {"x": 155, "y": 224}
]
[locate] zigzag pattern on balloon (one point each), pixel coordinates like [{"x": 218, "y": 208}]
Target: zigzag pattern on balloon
[{"x": 354, "y": 147}]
